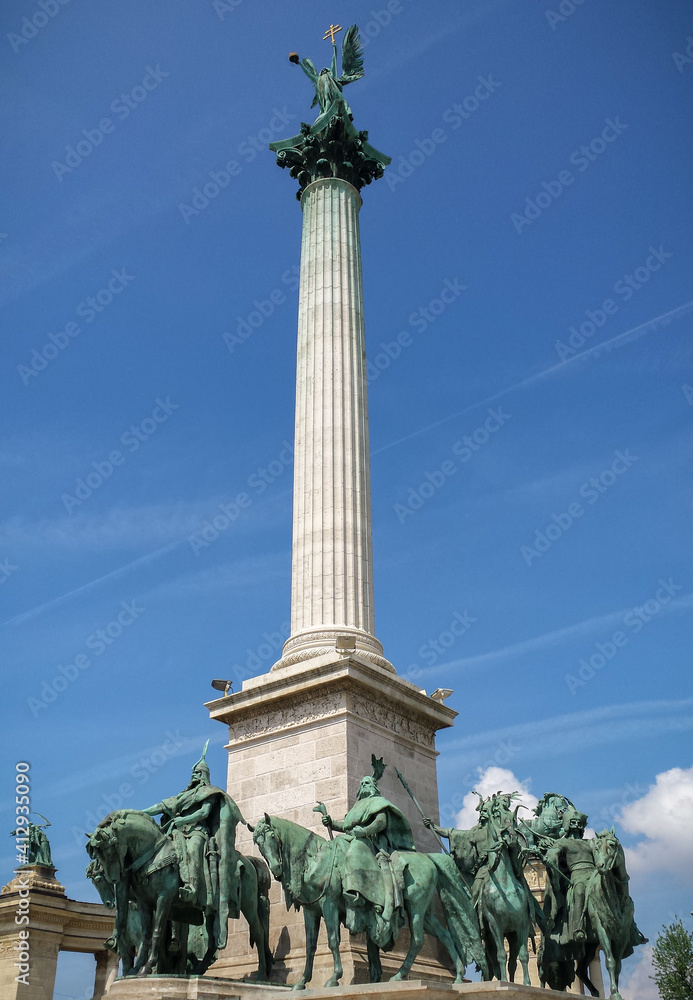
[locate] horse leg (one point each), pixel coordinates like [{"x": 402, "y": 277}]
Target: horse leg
[
  {"x": 250, "y": 908},
  {"x": 613, "y": 965},
  {"x": 119, "y": 936},
  {"x": 181, "y": 958},
  {"x": 512, "y": 938},
  {"x": 311, "y": 922},
  {"x": 210, "y": 926},
  {"x": 330, "y": 913},
  {"x": 582, "y": 969},
  {"x": 497, "y": 944},
  {"x": 416, "y": 932},
  {"x": 144, "y": 942},
  {"x": 433, "y": 926},
  {"x": 163, "y": 904},
  {"x": 264, "y": 918},
  {"x": 523, "y": 954},
  {"x": 490, "y": 952},
  {"x": 375, "y": 969}
]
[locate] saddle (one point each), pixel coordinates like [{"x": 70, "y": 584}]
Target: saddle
[{"x": 373, "y": 889}]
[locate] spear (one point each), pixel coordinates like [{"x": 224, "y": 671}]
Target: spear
[{"x": 423, "y": 814}]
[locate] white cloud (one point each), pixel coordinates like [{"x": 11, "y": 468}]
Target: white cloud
[
  {"x": 664, "y": 816},
  {"x": 493, "y": 779},
  {"x": 113, "y": 528},
  {"x": 638, "y": 985}
]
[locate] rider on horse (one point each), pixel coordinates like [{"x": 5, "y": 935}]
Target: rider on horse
[
  {"x": 477, "y": 851},
  {"x": 375, "y": 827},
  {"x": 201, "y": 821},
  {"x": 570, "y": 865}
]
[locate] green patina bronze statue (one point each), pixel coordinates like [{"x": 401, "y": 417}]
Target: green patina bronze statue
[
  {"x": 372, "y": 879},
  {"x": 331, "y": 146},
  {"x": 378, "y": 828},
  {"x": 196, "y": 817},
  {"x": 328, "y": 85},
  {"x": 35, "y": 845},
  {"x": 587, "y": 906},
  {"x": 185, "y": 877},
  {"x": 489, "y": 860}
]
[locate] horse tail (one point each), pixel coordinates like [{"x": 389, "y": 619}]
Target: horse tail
[
  {"x": 460, "y": 914},
  {"x": 264, "y": 879},
  {"x": 264, "y": 882}
]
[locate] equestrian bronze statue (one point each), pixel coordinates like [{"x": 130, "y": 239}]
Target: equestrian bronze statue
[{"x": 185, "y": 878}]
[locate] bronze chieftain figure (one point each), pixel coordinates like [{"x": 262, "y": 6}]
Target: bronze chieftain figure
[
  {"x": 372, "y": 878},
  {"x": 192, "y": 819},
  {"x": 488, "y": 858},
  {"x": 184, "y": 877},
  {"x": 587, "y": 906},
  {"x": 377, "y": 826}
]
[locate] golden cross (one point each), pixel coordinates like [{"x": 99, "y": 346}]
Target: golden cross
[{"x": 331, "y": 32}]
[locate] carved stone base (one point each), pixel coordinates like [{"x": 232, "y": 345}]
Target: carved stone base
[
  {"x": 303, "y": 734},
  {"x": 35, "y": 877},
  {"x": 170, "y": 988},
  {"x": 322, "y": 641}
]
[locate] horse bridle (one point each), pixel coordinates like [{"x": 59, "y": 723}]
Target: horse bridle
[{"x": 305, "y": 902}]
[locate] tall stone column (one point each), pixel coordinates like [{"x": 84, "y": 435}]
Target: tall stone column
[
  {"x": 332, "y": 564},
  {"x": 306, "y": 731}
]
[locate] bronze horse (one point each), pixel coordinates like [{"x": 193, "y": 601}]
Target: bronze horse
[
  {"x": 139, "y": 862},
  {"x": 310, "y": 869}
]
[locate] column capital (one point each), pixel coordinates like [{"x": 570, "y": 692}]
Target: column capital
[{"x": 338, "y": 150}]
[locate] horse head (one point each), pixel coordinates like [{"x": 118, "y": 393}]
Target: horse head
[
  {"x": 549, "y": 813},
  {"x": 608, "y": 852},
  {"x": 269, "y": 844},
  {"x": 110, "y": 841},
  {"x": 104, "y": 888}
]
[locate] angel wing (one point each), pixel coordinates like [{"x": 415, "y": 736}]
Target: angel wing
[{"x": 352, "y": 56}]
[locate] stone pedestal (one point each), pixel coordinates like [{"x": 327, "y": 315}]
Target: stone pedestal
[
  {"x": 306, "y": 734},
  {"x": 56, "y": 924},
  {"x": 208, "y": 988}
]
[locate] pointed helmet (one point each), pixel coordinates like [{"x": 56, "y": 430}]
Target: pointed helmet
[{"x": 201, "y": 765}]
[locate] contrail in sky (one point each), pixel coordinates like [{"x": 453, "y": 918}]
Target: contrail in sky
[
  {"x": 143, "y": 560},
  {"x": 606, "y": 345}
]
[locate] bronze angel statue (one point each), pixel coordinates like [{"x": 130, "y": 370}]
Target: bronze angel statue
[
  {"x": 331, "y": 146},
  {"x": 328, "y": 86}
]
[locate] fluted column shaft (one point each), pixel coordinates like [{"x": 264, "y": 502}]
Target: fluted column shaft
[{"x": 332, "y": 560}]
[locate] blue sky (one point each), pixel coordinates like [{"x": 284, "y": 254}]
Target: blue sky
[{"x": 541, "y": 174}]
